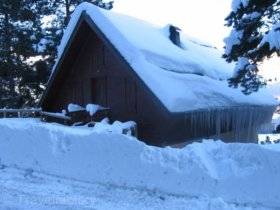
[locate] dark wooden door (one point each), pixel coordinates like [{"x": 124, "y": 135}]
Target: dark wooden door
[
  {"x": 99, "y": 91},
  {"x": 130, "y": 97}
]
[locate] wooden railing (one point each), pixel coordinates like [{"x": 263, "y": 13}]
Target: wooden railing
[
  {"x": 4, "y": 113},
  {"x": 35, "y": 113}
]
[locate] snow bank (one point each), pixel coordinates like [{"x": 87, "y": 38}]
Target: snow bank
[
  {"x": 275, "y": 147},
  {"x": 117, "y": 127},
  {"x": 238, "y": 173}
]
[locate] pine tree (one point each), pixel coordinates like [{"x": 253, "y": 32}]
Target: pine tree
[
  {"x": 30, "y": 31},
  {"x": 58, "y": 14},
  {"x": 69, "y": 5},
  {"x": 255, "y": 36},
  {"x": 54, "y": 17},
  {"x": 18, "y": 35}
]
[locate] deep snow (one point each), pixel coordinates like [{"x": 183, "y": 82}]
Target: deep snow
[{"x": 232, "y": 176}]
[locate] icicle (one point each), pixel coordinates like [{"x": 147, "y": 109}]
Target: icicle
[{"x": 241, "y": 121}]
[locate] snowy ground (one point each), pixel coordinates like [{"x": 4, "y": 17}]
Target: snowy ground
[
  {"x": 21, "y": 190},
  {"x": 269, "y": 134},
  {"x": 49, "y": 166}
]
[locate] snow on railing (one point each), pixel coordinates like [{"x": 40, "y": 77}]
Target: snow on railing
[
  {"x": 56, "y": 115},
  {"x": 127, "y": 128}
]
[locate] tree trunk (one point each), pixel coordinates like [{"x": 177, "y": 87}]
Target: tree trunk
[{"x": 67, "y": 11}]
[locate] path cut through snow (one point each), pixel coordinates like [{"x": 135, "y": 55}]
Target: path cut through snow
[{"x": 22, "y": 190}]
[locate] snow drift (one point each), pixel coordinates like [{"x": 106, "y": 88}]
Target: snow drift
[{"x": 238, "y": 173}]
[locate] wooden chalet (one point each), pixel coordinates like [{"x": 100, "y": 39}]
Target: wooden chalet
[{"x": 172, "y": 86}]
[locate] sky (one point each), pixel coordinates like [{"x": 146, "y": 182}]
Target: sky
[{"x": 202, "y": 19}]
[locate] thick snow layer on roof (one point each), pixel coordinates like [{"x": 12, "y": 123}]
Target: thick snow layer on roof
[{"x": 174, "y": 74}]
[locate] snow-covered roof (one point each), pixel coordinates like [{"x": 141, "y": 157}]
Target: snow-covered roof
[{"x": 184, "y": 79}]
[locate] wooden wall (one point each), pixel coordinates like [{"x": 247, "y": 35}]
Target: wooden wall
[{"x": 97, "y": 76}]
